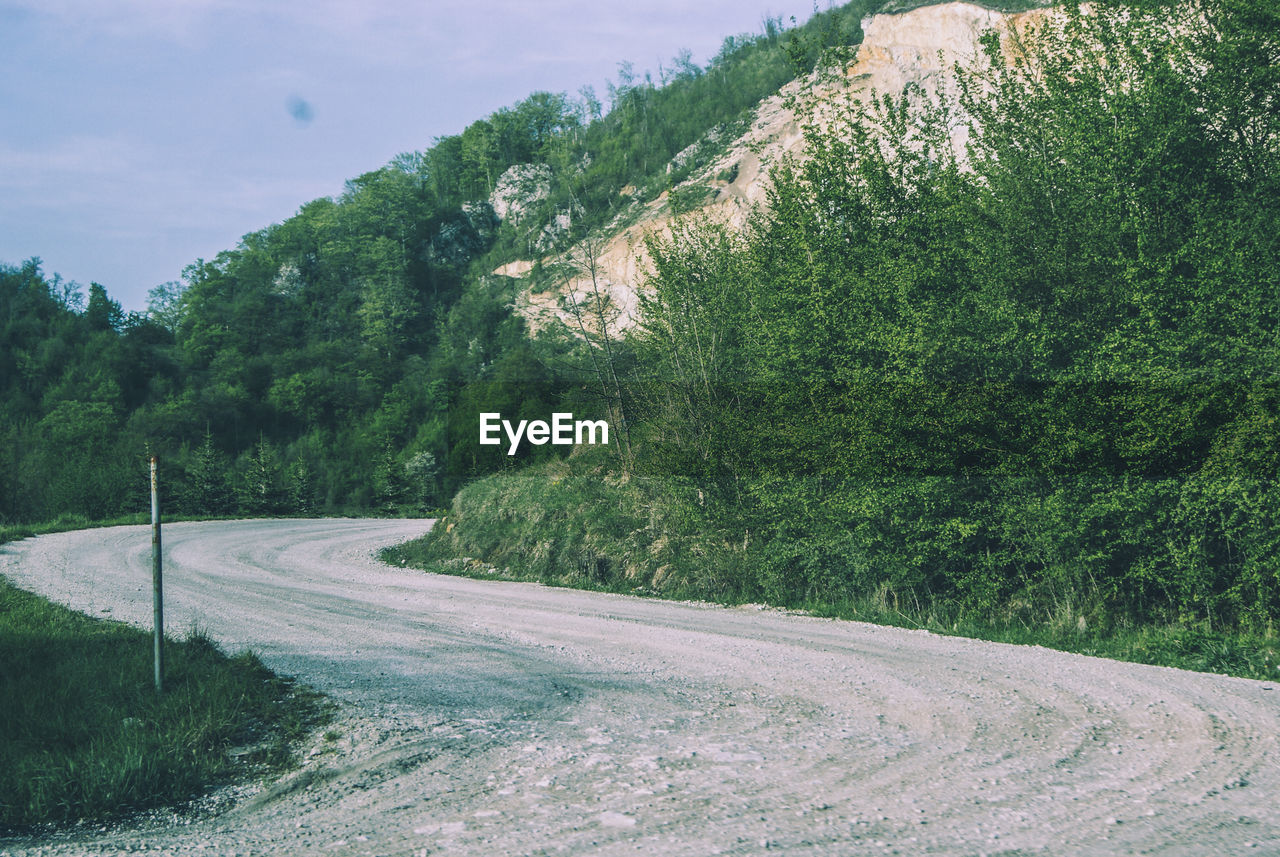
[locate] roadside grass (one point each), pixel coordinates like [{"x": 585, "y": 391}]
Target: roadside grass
[
  {"x": 580, "y": 525},
  {"x": 898, "y": 7},
  {"x": 1184, "y": 646},
  {"x": 84, "y": 735},
  {"x": 575, "y": 524},
  {"x": 66, "y": 523}
]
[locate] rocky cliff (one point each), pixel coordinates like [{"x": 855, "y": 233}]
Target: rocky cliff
[{"x": 920, "y": 47}]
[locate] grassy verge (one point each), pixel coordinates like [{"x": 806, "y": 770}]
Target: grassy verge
[
  {"x": 83, "y": 735},
  {"x": 1188, "y": 647},
  {"x": 67, "y": 523},
  {"x": 580, "y": 525},
  {"x": 14, "y": 532},
  {"x": 898, "y": 7},
  {"x": 576, "y": 525}
]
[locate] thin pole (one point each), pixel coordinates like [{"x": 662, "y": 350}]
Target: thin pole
[{"x": 157, "y": 594}]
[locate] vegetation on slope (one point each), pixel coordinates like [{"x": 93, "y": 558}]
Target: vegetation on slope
[
  {"x": 897, "y": 7},
  {"x": 314, "y": 366},
  {"x": 84, "y": 735},
  {"x": 1032, "y": 388},
  {"x": 580, "y": 523},
  {"x": 584, "y": 523}
]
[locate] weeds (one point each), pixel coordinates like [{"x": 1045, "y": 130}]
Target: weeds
[
  {"x": 573, "y": 523},
  {"x": 84, "y": 735}
]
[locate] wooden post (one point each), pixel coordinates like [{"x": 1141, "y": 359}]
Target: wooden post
[{"x": 157, "y": 594}]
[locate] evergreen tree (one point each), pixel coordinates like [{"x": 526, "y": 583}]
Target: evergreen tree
[
  {"x": 261, "y": 488},
  {"x": 207, "y": 489}
]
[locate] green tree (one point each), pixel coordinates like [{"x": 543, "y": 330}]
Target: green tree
[
  {"x": 207, "y": 489},
  {"x": 262, "y": 490},
  {"x": 164, "y": 304},
  {"x": 387, "y": 305}
]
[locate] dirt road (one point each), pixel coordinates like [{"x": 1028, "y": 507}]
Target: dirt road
[{"x": 491, "y": 719}]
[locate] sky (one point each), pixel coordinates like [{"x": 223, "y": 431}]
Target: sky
[{"x": 139, "y": 135}]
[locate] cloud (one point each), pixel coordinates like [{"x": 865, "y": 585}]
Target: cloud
[
  {"x": 393, "y": 24},
  {"x": 148, "y": 18},
  {"x": 122, "y": 182}
]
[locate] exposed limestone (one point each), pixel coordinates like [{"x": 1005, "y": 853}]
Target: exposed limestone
[
  {"x": 518, "y": 190},
  {"x": 919, "y": 47}
]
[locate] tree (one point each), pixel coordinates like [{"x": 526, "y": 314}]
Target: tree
[
  {"x": 691, "y": 316},
  {"x": 164, "y": 304},
  {"x": 262, "y": 491},
  {"x": 387, "y": 306},
  {"x": 596, "y": 318},
  {"x": 102, "y": 313},
  {"x": 207, "y": 489}
]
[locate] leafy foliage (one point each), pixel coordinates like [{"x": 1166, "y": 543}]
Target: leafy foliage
[
  {"x": 1018, "y": 374},
  {"x": 315, "y": 366}
]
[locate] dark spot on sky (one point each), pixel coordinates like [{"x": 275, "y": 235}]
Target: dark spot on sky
[{"x": 300, "y": 110}]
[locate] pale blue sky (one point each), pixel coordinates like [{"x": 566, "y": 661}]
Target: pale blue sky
[{"x": 138, "y": 135}]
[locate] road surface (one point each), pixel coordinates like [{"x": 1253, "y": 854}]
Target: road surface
[{"x": 485, "y": 718}]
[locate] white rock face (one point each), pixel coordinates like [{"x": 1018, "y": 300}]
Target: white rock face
[
  {"x": 923, "y": 45},
  {"x": 555, "y": 229},
  {"x": 519, "y": 189},
  {"x": 918, "y": 47}
]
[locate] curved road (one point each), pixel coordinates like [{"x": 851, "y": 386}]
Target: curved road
[{"x": 494, "y": 718}]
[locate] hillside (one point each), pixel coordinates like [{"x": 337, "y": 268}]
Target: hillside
[
  {"x": 997, "y": 353},
  {"x": 314, "y": 366},
  {"x": 999, "y": 344},
  {"x": 919, "y": 47}
]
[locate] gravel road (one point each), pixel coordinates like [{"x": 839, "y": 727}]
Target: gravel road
[{"x": 486, "y": 718}]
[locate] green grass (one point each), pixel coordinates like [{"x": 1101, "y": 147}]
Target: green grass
[
  {"x": 576, "y": 523},
  {"x": 66, "y": 523},
  {"x": 897, "y": 7},
  {"x": 14, "y": 532},
  {"x": 84, "y": 735},
  {"x": 1184, "y": 646},
  {"x": 581, "y": 525}
]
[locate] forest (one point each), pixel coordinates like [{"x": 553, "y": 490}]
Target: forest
[
  {"x": 1035, "y": 377},
  {"x": 1029, "y": 382},
  {"x": 313, "y": 367}
]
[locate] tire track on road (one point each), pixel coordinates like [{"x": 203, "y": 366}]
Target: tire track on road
[{"x": 484, "y": 718}]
